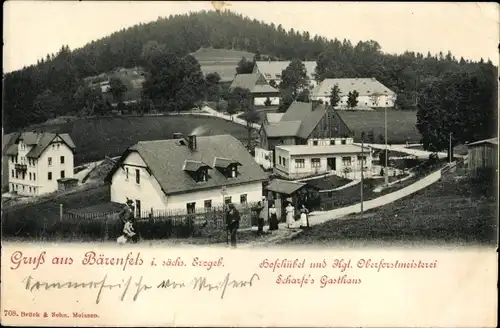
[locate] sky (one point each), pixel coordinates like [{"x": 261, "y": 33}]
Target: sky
[{"x": 32, "y": 29}]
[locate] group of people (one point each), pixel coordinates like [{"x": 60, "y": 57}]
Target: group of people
[
  {"x": 129, "y": 233},
  {"x": 303, "y": 222}
]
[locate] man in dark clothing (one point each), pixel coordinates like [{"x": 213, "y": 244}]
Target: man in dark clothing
[
  {"x": 233, "y": 218},
  {"x": 260, "y": 217}
]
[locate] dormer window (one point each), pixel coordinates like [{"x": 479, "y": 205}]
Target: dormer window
[
  {"x": 228, "y": 167},
  {"x": 197, "y": 170}
]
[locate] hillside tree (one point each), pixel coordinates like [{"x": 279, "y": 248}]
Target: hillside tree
[
  {"x": 335, "y": 95},
  {"x": 352, "y": 99},
  {"x": 245, "y": 66},
  {"x": 117, "y": 89}
]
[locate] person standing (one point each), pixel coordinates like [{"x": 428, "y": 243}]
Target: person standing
[
  {"x": 273, "y": 218},
  {"x": 259, "y": 211},
  {"x": 233, "y": 222},
  {"x": 304, "y": 217},
  {"x": 290, "y": 219}
]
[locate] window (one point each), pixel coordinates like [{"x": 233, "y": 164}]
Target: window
[
  {"x": 62, "y": 159},
  {"x": 50, "y": 161},
  {"x": 346, "y": 161},
  {"x": 284, "y": 161},
  {"x": 49, "y": 176},
  {"x": 138, "y": 210},
  {"x": 30, "y": 175},
  {"x": 12, "y": 173},
  {"x": 30, "y": 189},
  {"x": 57, "y": 146},
  {"x": 315, "y": 142},
  {"x": 300, "y": 163},
  {"x": 126, "y": 173},
  {"x": 342, "y": 141},
  {"x": 362, "y": 158},
  {"x": 227, "y": 200},
  {"x": 280, "y": 159},
  {"x": 315, "y": 162},
  {"x": 332, "y": 142},
  {"x": 137, "y": 176},
  {"x": 201, "y": 176},
  {"x": 34, "y": 176},
  {"x": 234, "y": 171},
  {"x": 243, "y": 199},
  {"x": 208, "y": 204},
  {"x": 17, "y": 175},
  {"x": 63, "y": 174}
]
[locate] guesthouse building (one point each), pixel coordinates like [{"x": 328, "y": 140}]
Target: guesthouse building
[
  {"x": 37, "y": 161},
  {"x": 272, "y": 70},
  {"x": 184, "y": 175}
]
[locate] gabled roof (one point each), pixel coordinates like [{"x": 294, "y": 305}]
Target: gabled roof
[
  {"x": 493, "y": 141},
  {"x": 308, "y": 114},
  {"x": 193, "y": 166},
  {"x": 224, "y": 162},
  {"x": 282, "y": 129},
  {"x": 165, "y": 160},
  {"x": 39, "y": 141},
  {"x": 253, "y": 82},
  {"x": 364, "y": 86},
  {"x": 273, "y": 69},
  {"x": 274, "y": 117}
]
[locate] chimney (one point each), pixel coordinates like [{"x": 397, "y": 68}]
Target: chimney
[
  {"x": 192, "y": 142},
  {"x": 177, "y": 135}
]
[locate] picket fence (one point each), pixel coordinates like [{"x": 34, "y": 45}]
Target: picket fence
[{"x": 108, "y": 225}]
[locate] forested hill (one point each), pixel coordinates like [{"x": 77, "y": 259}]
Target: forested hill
[{"x": 48, "y": 89}]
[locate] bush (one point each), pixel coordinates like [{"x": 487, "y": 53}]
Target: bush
[
  {"x": 267, "y": 102},
  {"x": 222, "y": 106}
]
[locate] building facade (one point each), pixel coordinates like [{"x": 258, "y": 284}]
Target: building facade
[
  {"x": 37, "y": 161},
  {"x": 262, "y": 93},
  {"x": 344, "y": 160},
  {"x": 372, "y": 93},
  {"x": 186, "y": 175}
]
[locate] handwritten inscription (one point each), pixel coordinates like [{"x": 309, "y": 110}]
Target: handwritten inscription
[{"x": 136, "y": 286}]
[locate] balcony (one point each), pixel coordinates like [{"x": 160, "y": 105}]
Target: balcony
[{"x": 21, "y": 167}]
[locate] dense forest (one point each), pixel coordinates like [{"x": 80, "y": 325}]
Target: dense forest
[{"x": 54, "y": 85}]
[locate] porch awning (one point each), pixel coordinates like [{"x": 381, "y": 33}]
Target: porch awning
[{"x": 286, "y": 187}]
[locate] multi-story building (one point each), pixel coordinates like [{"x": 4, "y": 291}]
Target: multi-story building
[{"x": 37, "y": 161}]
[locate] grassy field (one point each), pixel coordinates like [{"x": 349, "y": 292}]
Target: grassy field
[
  {"x": 329, "y": 182},
  {"x": 97, "y": 137},
  {"x": 448, "y": 212}
]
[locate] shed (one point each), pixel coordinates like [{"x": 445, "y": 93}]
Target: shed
[
  {"x": 65, "y": 184},
  {"x": 482, "y": 156},
  {"x": 298, "y": 193}
]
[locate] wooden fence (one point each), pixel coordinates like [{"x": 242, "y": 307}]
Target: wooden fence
[{"x": 108, "y": 225}]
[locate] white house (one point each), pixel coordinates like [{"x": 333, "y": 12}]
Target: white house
[
  {"x": 342, "y": 159},
  {"x": 303, "y": 123},
  {"x": 186, "y": 175},
  {"x": 37, "y": 161},
  {"x": 272, "y": 70},
  {"x": 371, "y": 92},
  {"x": 262, "y": 93}
]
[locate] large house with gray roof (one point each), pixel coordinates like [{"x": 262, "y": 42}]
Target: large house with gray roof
[
  {"x": 38, "y": 162},
  {"x": 372, "y": 93},
  {"x": 185, "y": 175},
  {"x": 309, "y": 138},
  {"x": 272, "y": 70},
  {"x": 262, "y": 93}
]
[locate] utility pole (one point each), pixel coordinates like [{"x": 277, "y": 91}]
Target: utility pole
[
  {"x": 362, "y": 168},
  {"x": 450, "y": 150},
  {"x": 386, "y": 177}
]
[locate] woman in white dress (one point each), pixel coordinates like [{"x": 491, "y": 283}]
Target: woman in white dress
[
  {"x": 290, "y": 216},
  {"x": 304, "y": 222}
]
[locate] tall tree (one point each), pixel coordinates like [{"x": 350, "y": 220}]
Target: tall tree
[
  {"x": 294, "y": 78},
  {"x": 245, "y": 66},
  {"x": 352, "y": 99},
  {"x": 335, "y": 96},
  {"x": 117, "y": 89}
]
